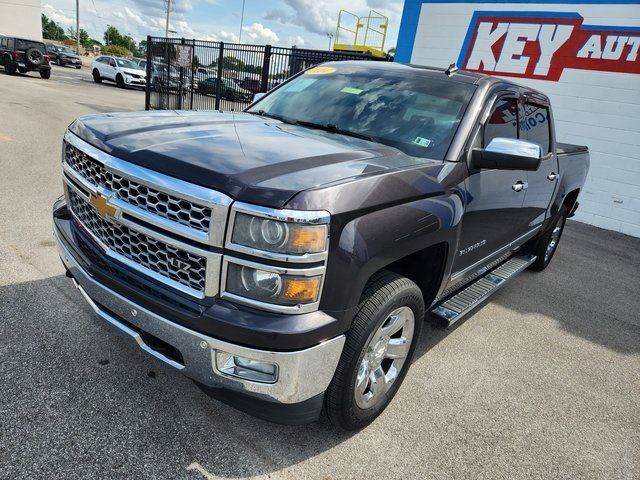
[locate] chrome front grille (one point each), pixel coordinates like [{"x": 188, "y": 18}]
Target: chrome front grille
[
  {"x": 172, "y": 208},
  {"x": 162, "y": 227},
  {"x": 173, "y": 263}
]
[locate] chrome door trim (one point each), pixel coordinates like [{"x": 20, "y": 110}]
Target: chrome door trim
[{"x": 511, "y": 245}]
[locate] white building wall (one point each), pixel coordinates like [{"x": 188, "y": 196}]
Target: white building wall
[
  {"x": 21, "y": 19},
  {"x": 594, "y": 108}
]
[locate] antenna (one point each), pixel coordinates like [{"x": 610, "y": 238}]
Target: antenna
[{"x": 451, "y": 70}]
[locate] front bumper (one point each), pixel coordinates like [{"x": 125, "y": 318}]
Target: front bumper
[{"x": 302, "y": 375}]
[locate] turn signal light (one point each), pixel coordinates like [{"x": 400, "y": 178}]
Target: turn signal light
[
  {"x": 301, "y": 289},
  {"x": 308, "y": 238}
]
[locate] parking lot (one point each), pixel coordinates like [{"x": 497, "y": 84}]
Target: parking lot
[{"x": 541, "y": 382}]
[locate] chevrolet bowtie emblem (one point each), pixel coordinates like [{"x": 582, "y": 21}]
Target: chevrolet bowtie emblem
[{"x": 101, "y": 205}]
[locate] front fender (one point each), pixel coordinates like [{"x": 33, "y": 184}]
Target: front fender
[{"x": 373, "y": 241}]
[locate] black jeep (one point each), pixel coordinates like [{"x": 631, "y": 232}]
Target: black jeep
[{"x": 23, "y": 55}]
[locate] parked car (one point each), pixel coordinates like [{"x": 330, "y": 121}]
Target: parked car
[
  {"x": 229, "y": 89},
  {"x": 62, "y": 55},
  {"x": 120, "y": 70},
  {"x": 284, "y": 257},
  {"x": 251, "y": 85},
  {"x": 24, "y": 55}
]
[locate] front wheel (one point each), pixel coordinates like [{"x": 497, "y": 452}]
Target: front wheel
[
  {"x": 545, "y": 247},
  {"x": 9, "y": 67},
  {"x": 120, "y": 81},
  {"x": 377, "y": 352}
]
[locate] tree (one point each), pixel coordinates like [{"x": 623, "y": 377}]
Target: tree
[
  {"x": 196, "y": 61},
  {"x": 142, "y": 47},
  {"x": 51, "y": 30},
  {"x": 112, "y": 36}
]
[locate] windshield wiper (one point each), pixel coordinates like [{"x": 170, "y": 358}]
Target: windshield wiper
[
  {"x": 262, "y": 113},
  {"x": 330, "y": 127}
]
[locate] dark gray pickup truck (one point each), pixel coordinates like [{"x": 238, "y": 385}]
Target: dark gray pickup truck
[{"x": 285, "y": 257}]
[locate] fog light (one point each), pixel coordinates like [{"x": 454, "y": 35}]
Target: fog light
[{"x": 246, "y": 368}]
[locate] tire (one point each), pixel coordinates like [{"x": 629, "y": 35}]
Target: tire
[
  {"x": 388, "y": 301},
  {"x": 34, "y": 57},
  {"x": 120, "y": 81},
  {"x": 78, "y": 67},
  {"x": 9, "y": 67},
  {"x": 545, "y": 247},
  {"x": 46, "y": 74},
  {"x": 96, "y": 76},
  {"x": 22, "y": 70}
]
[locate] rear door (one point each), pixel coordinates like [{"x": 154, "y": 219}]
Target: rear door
[
  {"x": 537, "y": 128},
  {"x": 493, "y": 216}
]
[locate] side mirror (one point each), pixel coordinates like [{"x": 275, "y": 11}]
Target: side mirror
[
  {"x": 507, "y": 154},
  {"x": 258, "y": 96}
]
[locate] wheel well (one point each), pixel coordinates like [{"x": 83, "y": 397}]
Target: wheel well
[
  {"x": 425, "y": 268},
  {"x": 570, "y": 199}
]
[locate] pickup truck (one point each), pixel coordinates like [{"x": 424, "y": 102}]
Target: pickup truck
[{"x": 285, "y": 257}]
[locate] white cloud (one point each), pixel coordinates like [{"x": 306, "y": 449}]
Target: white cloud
[
  {"x": 296, "y": 40},
  {"x": 258, "y": 33},
  {"x": 58, "y": 15},
  {"x": 228, "y": 37}
]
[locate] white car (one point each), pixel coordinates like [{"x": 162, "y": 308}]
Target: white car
[{"x": 120, "y": 70}]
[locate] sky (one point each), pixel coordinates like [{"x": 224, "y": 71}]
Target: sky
[{"x": 303, "y": 23}]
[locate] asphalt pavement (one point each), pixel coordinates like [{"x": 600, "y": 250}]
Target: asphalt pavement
[{"x": 541, "y": 382}]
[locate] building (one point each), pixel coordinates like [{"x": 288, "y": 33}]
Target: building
[
  {"x": 583, "y": 54},
  {"x": 21, "y": 19}
]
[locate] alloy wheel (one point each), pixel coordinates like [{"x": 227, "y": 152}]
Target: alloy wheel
[{"x": 384, "y": 358}]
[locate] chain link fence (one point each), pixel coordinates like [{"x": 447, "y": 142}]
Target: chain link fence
[{"x": 201, "y": 75}]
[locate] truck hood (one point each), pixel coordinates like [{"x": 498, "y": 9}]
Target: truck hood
[{"x": 250, "y": 158}]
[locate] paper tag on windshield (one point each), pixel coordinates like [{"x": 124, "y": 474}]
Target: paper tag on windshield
[
  {"x": 423, "y": 142},
  {"x": 352, "y": 90}
]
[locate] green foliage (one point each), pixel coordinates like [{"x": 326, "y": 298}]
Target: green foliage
[
  {"x": 113, "y": 37},
  {"x": 51, "y": 30},
  {"x": 116, "y": 50},
  {"x": 235, "y": 64}
]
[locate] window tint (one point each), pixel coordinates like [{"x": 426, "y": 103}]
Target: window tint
[
  {"x": 112, "y": 62},
  {"x": 503, "y": 121},
  {"x": 536, "y": 125}
]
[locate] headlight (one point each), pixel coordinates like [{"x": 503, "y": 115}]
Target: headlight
[
  {"x": 277, "y": 236},
  {"x": 272, "y": 286}
]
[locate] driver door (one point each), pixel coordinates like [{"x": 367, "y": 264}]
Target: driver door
[{"x": 493, "y": 215}]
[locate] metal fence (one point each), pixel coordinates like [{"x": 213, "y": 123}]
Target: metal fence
[{"x": 201, "y": 75}]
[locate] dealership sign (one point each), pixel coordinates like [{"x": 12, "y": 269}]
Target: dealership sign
[{"x": 541, "y": 45}]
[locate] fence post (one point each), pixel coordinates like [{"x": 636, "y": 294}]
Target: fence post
[
  {"x": 219, "y": 79},
  {"x": 193, "y": 71},
  {"x": 147, "y": 89},
  {"x": 266, "y": 64},
  {"x": 180, "y": 86}
]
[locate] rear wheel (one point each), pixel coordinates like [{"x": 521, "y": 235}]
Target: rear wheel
[
  {"x": 78, "y": 67},
  {"x": 120, "y": 81},
  {"x": 96, "y": 76},
  {"x": 545, "y": 246},
  {"x": 22, "y": 70},
  {"x": 46, "y": 74},
  {"x": 377, "y": 352}
]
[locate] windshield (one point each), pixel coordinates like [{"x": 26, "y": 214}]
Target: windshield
[
  {"x": 66, "y": 50},
  {"x": 127, "y": 63},
  {"x": 404, "y": 109}
]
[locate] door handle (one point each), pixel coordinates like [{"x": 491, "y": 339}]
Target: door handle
[
  {"x": 552, "y": 176},
  {"x": 519, "y": 186}
]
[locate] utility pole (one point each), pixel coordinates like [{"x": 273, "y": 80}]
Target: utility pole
[
  {"x": 78, "y": 27},
  {"x": 166, "y": 33},
  {"x": 241, "y": 22},
  {"x": 330, "y": 36}
]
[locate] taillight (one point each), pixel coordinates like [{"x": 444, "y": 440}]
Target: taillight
[
  {"x": 17, "y": 55},
  {"x": 46, "y": 58}
]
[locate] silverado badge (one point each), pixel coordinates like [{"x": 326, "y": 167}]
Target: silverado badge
[{"x": 101, "y": 205}]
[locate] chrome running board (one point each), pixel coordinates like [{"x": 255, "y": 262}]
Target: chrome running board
[{"x": 456, "y": 306}]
